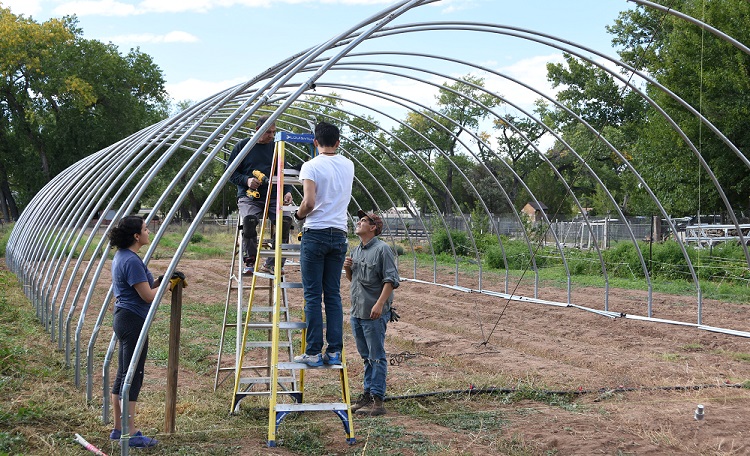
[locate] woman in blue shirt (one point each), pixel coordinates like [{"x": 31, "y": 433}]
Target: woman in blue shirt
[{"x": 134, "y": 288}]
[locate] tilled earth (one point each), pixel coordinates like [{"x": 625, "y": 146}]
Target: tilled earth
[{"x": 633, "y": 385}]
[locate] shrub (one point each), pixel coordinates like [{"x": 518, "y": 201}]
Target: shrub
[
  {"x": 196, "y": 238},
  {"x": 669, "y": 262},
  {"x": 517, "y": 254},
  {"x": 622, "y": 261},
  {"x": 493, "y": 257},
  {"x": 4, "y": 236},
  {"x": 486, "y": 241},
  {"x": 441, "y": 242}
]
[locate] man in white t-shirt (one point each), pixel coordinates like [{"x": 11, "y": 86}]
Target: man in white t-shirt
[{"x": 327, "y": 188}]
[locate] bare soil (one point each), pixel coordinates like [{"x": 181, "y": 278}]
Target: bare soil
[{"x": 635, "y": 385}]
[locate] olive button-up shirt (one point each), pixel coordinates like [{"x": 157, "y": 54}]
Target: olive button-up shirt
[{"x": 373, "y": 264}]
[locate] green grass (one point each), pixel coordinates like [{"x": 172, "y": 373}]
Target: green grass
[
  {"x": 672, "y": 357},
  {"x": 555, "y": 276}
]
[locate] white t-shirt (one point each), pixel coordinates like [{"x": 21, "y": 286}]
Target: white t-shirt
[{"x": 333, "y": 176}]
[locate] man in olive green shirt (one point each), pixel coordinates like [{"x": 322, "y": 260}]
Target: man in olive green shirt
[{"x": 373, "y": 273}]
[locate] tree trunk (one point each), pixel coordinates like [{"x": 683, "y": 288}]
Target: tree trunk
[
  {"x": 45, "y": 163},
  {"x": 8, "y": 203},
  {"x": 448, "y": 202}
]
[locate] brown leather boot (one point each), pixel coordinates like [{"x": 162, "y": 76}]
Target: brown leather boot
[
  {"x": 364, "y": 400},
  {"x": 376, "y": 408}
]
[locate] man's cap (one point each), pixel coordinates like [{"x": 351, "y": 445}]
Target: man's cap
[{"x": 374, "y": 219}]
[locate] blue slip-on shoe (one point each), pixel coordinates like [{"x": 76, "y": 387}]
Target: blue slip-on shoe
[
  {"x": 115, "y": 434},
  {"x": 332, "y": 358},
  {"x": 139, "y": 440},
  {"x": 310, "y": 360}
]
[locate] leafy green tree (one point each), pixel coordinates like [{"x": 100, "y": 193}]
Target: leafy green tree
[
  {"x": 615, "y": 113},
  {"x": 705, "y": 71},
  {"x": 433, "y": 141},
  {"x": 711, "y": 75},
  {"x": 515, "y": 139},
  {"x": 64, "y": 97}
]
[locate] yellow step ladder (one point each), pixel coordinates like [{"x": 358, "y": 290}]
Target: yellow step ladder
[
  {"x": 235, "y": 312},
  {"x": 285, "y": 379}
]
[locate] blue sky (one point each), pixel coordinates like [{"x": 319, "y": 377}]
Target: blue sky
[{"x": 204, "y": 46}]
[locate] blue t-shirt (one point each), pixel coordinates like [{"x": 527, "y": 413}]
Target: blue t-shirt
[{"x": 127, "y": 270}]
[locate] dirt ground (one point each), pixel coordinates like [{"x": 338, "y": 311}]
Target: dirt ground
[{"x": 640, "y": 381}]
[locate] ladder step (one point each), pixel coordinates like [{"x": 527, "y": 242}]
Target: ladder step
[
  {"x": 282, "y": 325},
  {"x": 284, "y": 253},
  {"x": 297, "y": 366},
  {"x": 288, "y": 180},
  {"x": 261, "y": 309},
  {"x": 312, "y": 407},
  {"x": 291, "y": 284},
  {"x": 284, "y": 247},
  {"x": 264, "y": 380},
  {"x": 246, "y": 368},
  {"x": 266, "y": 344},
  {"x": 248, "y": 286},
  {"x": 241, "y": 394}
]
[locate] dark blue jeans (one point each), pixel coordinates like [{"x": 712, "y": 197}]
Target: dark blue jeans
[
  {"x": 322, "y": 254},
  {"x": 370, "y": 338}
]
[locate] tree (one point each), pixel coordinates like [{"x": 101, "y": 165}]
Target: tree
[
  {"x": 517, "y": 152},
  {"x": 711, "y": 75},
  {"x": 615, "y": 113},
  {"x": 434, "y": 139},
  {"x": 62, "y": 98}
]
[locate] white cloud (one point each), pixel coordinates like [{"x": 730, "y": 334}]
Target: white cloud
[
  {"x": 196, "y": 90},
  {"x": 23, "y": 7},
  {"x": 531, "y": 71},
  {"x": 178, "y": 36},
  {"x": 175, "y": 6},
  {"x": 452, "y": 6},
  {"x": 95, "y": 8},
  {"x": 342, "y": 2},
  {"x": 171, "y": 37},
  {"x": 117, "y": 8},
  {"x": 399, "y": 87}
]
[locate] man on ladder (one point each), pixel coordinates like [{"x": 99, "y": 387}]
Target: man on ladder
[
  {"x": 327, "y": 189},
  {"x": 252, "y": 183}
]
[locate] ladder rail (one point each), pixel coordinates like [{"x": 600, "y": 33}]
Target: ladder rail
[{"x": 224, "y": 326}]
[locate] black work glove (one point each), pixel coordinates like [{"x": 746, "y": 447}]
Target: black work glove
[
  {"x": 394, "y": 316},
  {"x": 177, "y": 277}
]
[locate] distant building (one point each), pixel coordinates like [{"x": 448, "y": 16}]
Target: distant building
[
  {"x": 400, "y": 210},
  {"x": 534, "y": 211},
  {"x": 107, "y": 218}
]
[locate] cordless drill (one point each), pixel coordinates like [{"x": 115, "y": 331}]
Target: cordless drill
[{"x": 263, "y": 180}]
